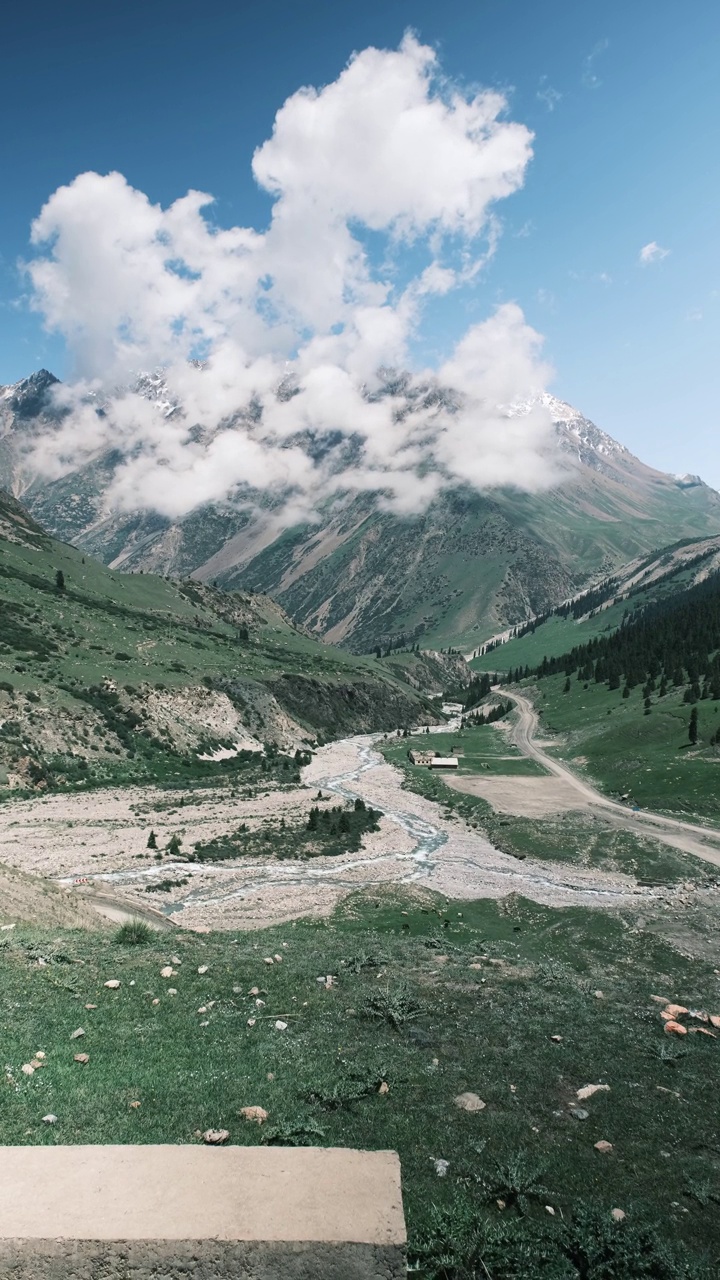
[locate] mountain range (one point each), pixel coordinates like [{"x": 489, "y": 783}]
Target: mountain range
[{"x": 471, "y": 564}]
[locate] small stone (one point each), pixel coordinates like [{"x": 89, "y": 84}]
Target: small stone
[
  {"x": 549, "y": 1209},
  {"x": 112, "y": 983},
  {"x": 251, "y": 1022},
  {"x": 469, "y": 1102},
  {"x": 50, "y": 1118},
  {"x": 599, "y": 995},
  {"x": 254, "y": 991},
  {"x": 617, "y": 1215},
  {"x": 256, "y": 1115},
  {"x": 75, "y": 1035},
  {"x": 588, "y": 1090},
  {"x": 204, "y": 1024},
  {"x": 441, "y": 1167},
  {"x": 277, "y": 958},
  {"x": 556, "y": 1039},
  {"x": 156, "y": 1001},
  {"x": 215, "y": 1137},
  {"x": 203, "y": 968},
  {"x": 40, "y": 1055},
  {"x": 500, "y": 1204},
  {"x": 167, "y": 971},
  {"x": 603, "y": 1146},
  {"x": 27, "y": 1069},
  {"x": 280, "y": 1025},
  {"x": 91, "y": 1006},
  {"x": 269, "y": 960},
  {"x": 175, "y": 960},
  {"x": 172, "y": 991},
  {"x": 82, "y": 1058},
  {"x": 579, "y": 1114},
  {"x": 134, "y": 1105},
  {"x": 202, "y": 1009},
  {"x": 259, "y": 1004},
  {"x": 270, "y": 1075},
  {"x": 384, "y": 1087}
]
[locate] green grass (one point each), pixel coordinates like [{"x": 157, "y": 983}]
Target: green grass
[
  {"x": 479, "y": 750},
  {"x": 329, "y": 832},
  {"x": 409, "y": 1010},
  {"x": 645, "y": 757}
]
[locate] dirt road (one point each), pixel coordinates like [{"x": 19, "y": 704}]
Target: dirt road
[{"x": 703, "y": 842}]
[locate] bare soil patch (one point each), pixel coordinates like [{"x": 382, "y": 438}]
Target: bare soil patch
[{"x": 522, "y": 797}]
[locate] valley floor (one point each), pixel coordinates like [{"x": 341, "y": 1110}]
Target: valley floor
[{"x": 95, "y": 843}]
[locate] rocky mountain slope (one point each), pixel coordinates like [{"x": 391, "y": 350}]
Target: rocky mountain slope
[
  {"x": 471, "y": 564},
  {"x": 108, "y": 677}
]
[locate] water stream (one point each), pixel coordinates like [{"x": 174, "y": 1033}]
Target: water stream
[{"x": 427, "y": 840}]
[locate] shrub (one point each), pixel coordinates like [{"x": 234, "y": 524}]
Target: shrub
[{"x": 134, "y": 933}]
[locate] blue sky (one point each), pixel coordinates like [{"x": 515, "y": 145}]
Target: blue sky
[{"x": 623, "y": 100}]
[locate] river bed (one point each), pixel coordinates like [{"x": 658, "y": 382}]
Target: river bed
[{"x": 67, "y": 837}]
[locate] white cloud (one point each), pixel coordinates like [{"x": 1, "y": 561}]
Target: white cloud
[
  {"x": 652, "y": 252},
  {"x": 291, "y": 324},
  {"x": 590, "y": 78},
  {"x": 547, "y": 94}
]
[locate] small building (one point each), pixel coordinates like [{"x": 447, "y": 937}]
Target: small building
[
  {"x": 421, "y": 757},
  {"x": 444, "y": 762}
]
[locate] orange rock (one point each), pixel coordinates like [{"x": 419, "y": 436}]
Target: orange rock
[
  {"x": 258, "y": 1115},
  {"x": 703, "y": 1031},
  {"x": 675, "y": 1010},
  {"x": 675, "y": 1028},
  {"x": 667, "y": 1017},
  {"x": 715, "y": 1019}
]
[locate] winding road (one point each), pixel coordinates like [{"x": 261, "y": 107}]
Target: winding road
[{"x": 689, "y": 836}]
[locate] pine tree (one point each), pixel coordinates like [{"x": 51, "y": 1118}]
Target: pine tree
[
  {"x": 152, "y": 841},
  {"x": 693, "y": 727},
  {"x": 60, "y": 580}
]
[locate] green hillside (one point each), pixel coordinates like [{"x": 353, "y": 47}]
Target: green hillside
[
  {"x": 107, "y": 676},
  {"x": 638, "y": 707},
  {"x": 560, "y": 632}
]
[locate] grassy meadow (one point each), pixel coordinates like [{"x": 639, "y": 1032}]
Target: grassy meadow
[
  {"x": 428, "y": 1000},
  {"x": 647, "y": 758}
]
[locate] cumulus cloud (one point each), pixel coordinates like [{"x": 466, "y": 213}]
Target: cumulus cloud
[
  {"x": 275, "y": 346},
  {"x": 652, "y": 252}
]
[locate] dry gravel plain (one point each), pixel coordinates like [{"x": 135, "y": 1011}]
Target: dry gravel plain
[{"x": 99, "y": 839}]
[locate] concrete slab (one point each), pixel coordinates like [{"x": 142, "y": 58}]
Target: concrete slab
[{"x": 261, "y": 1213}]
